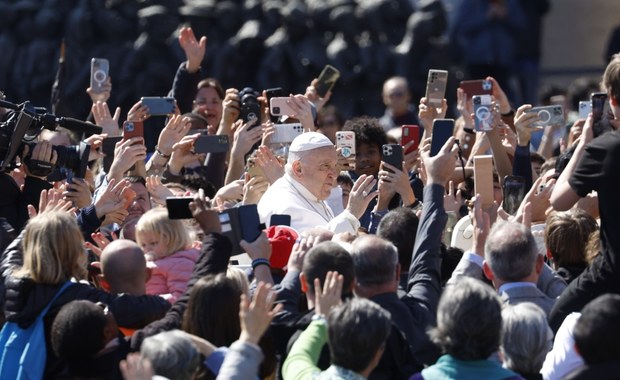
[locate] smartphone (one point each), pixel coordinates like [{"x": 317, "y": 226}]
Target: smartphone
[
  {"x": 326, "y": 80},
  {"x": 436, "y": 87},
  {"x": 178, "y": 207},
  {"x": 133, "y": 129},
  {"x": 286, "y": 133},
  {"x": 345, "y": 140},
  {"x": 159, "y": 106},
  {"x": 585, "y": 107},
  {"x": 107, "y": 147},
  {"x": 280, "y": 220},
  {"x": 600, "y": 113},
  {"x": 483, "y": 115},
  {"x": 211, "y": 144},
  {"x": 443, "y": 129},
  {"x": 393, "y": 155},
  {"x": 410, "y": 133},
  {"x": 549, "y": 115},
  {"x": 240, "y": 223},
  {"x": 280, "y": 106},
  {"x": 275, "y": 92},
  {"x": 477, "y": 87},
  {"x": 99, "y": 71},
  {"x": 483, "y": 179},
  {"x": 514, "y": 192}
]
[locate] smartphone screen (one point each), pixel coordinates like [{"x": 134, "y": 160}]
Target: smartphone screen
[
  {"x": 410, "y": 133},
  {"x": 250, "y": 223},
  {"x": 99, "y": 71},
  {"x": 393, "y": 155},
  {"x": 600, "y": 113},
  {"x": 436, "y": 87},
  {"x": 326, "y": 80},
  {"x": 107, "y": 147},
  {"x": 514, "y": 191},
  {"x": 280, "y": 220},
  {"x": 442, "y": 131},
  {"x": 178, "y": 207},
  {"x": 159, "y": 106}
]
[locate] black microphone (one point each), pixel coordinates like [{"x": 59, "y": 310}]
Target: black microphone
[{"x": 78, "y": 125}]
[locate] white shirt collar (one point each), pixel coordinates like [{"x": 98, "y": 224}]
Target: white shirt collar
[{"x": 512, "y": 285}]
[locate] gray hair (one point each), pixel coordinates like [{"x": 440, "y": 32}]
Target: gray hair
[
  {"x": 357, "y": 329},
  {"x": 526, "y": 337},
  {"x": 172, "y": 354},
  {"x": 292, "y": 157},
  {"x": 469, "y": 320},
  {"x": 511, "y": 251},
  {"x": 375, "y": 260}
]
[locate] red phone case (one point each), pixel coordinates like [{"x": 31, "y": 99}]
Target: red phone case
[
  {"x": 410, "y": 133},
  {"x": 132, "y": 129}
]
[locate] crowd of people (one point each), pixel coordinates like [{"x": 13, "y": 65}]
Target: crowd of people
[{"x": 362, "y": 269}]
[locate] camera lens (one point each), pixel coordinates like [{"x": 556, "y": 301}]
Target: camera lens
[{"x": 276, "y": 110}]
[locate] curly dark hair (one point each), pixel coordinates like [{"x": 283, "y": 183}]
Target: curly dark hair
[{"x": 367, "y": 131}]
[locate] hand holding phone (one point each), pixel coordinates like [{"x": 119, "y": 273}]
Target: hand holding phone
[
  {"x": 393, "y": 155},
  {"x": 133, "y": 129},
  {"x": 436, "y": 87},
  {"x": 99, "y": 71},
  {"x": 159, "y": 105}
]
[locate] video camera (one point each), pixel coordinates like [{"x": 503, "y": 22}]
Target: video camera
[{"x": 21, "y": 126}]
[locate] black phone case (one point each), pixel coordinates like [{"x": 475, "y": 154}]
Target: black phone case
[
  {"x": 178, "y": 208},
  {"x": 393, "y": 155},
  {"x": 108, "y": 149}
]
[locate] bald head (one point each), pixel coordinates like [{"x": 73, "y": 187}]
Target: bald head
[
  {"x": 124, "y": 267},
  {"x": 375, "y": 261},
  {"x": 396, "y": 95}
]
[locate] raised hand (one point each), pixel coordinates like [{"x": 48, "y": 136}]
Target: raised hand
[
  {"x": 194, "y": 50},
  {"x": 126, "y": 153},
  {"x": 51, "y": 200},
  {"x": 104, "y": 119},
  {"x": 158, "y": 191},
  {"x": 78, "y": 192},
  {"x": 272, "y": 168},
  {"x": 183, "y": 153},
  {"x": 361, "y": 194},
  {"x": 330, "y": 295},
  {"x": 256, "y": 316},
  {"x": 207, "y": 218},
  {"x": 176, "y": 128}
]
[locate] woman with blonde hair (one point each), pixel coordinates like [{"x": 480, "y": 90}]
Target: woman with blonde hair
[{"x": 39, "y": 262}]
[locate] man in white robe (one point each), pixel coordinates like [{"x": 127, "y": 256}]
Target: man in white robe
[{"x": 310, "y": 174}]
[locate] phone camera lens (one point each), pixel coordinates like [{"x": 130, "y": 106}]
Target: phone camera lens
[{"x": 276, "y": 110}]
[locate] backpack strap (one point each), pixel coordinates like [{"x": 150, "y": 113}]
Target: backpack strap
[{"x": 62, "y": 289}]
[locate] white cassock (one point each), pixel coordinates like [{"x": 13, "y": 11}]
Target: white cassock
[{"x": 289, "y": 197}]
